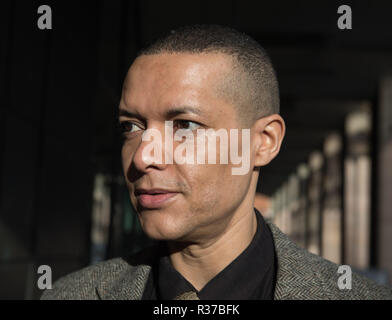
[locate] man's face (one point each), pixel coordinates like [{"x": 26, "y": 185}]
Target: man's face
[{"x": 200, "y": 199}]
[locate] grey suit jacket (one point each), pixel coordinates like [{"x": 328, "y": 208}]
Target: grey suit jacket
[{"x": 300, "y": 275}]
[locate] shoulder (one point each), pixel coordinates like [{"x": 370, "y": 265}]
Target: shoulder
[
  {"x": 341, "y": 283},
  {"x": 82, "y": 284},
  {"x": 303, "y": 275},
  {"x": 90, "y": 281}
]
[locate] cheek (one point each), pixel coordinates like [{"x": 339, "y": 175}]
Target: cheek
[{"x": 208, "y": 184}]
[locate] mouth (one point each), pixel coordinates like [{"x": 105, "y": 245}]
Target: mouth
[{"x": 154, "y": 198}]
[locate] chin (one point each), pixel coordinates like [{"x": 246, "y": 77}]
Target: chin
[
  {"x": 165, "y": 235},
  {"x": 158, "y": 228}
]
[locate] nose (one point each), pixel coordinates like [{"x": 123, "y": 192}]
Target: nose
[{"x": 150, "y": 152}]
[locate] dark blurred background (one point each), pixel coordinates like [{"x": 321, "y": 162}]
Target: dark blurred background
[{"x": 63, "y": 202}]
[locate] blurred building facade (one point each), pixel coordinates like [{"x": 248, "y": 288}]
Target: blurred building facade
[{"x": 325, "y": 206}]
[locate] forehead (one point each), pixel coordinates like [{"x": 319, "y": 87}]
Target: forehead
[{"x": 155, "y": 82}]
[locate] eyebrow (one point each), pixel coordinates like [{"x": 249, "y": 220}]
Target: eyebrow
[
  {"x": 171, "y": 113},
  {"x": 126, "y": 113}
]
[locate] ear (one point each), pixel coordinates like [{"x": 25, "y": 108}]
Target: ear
[{"x": 268, "y": 136}]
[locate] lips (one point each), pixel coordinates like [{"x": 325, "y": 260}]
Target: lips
[{"x": 154, "y": 198}]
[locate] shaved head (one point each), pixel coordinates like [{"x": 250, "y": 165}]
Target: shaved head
[{"x": 250, "y": 84}]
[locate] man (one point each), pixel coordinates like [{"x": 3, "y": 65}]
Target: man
[{"x": 213, "y": 244}]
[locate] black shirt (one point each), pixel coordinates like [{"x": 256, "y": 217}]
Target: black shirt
[{"x": 250, "y": 276}]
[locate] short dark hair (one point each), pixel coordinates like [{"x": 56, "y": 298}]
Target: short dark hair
[{"x": 253, "y": 88}]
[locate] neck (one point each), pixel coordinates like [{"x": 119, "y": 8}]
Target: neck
[{"x": 200, "y": 262}]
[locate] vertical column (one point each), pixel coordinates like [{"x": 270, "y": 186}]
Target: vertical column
[
  {"x": 332, "y": 214},
  {"x": 278, "y": 208},
  {"x": 293, "y": 212},
  {"x": 303, "y": 175},
  {"x": 384, "y": 194},
  {"x": 314, "y": 194},
  {"x": 282, "y": 217},
  {"x": 100, "y": 218},
  {"x": 358, "y": 188}
]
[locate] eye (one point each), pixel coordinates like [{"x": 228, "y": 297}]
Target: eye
[
  {"x": 186, "y": 124},
  {"x": 129, "y": 127}
]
